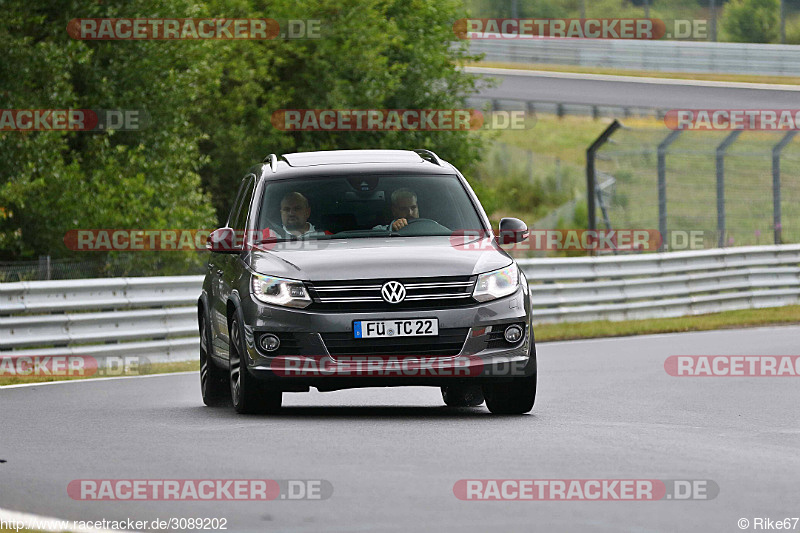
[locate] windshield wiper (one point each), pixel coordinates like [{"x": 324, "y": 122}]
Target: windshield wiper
[{"x": 268, "y": 240}]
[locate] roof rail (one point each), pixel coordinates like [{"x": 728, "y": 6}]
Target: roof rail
[
  {"x": 428, "y": 156},
  {"x": 273, "y": 162}
]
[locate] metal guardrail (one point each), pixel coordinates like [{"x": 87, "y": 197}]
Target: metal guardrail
[
  {"x": 667, "y": 56},
  {"x": 156, "y": 317},
  {"x": 561, "y": 109},
  {"x": 663, "y": 285}
]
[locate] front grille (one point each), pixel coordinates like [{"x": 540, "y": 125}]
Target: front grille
[
  {"x": 365, "y": 295},
  {"x": 448, "y": 343}
]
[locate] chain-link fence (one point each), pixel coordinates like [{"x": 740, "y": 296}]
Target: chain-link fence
[
  {"x": 732, "y": 188},
  {"x": 538, "y": 188}
]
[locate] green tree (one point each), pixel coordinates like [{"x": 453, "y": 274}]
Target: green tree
[
  {"x": 751, "y": 21},
  {"x": 210, "y": 103},
  {"x": 372, "y": 54},
  {"x": 51, "y": 182}
]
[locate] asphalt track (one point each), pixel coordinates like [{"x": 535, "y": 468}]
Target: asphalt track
[
  {"x": 606, "y": 409},
  {"x": 635, "y": 92}
]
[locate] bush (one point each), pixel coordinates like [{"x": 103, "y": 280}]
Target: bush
[{"x": 751, "y": 21}]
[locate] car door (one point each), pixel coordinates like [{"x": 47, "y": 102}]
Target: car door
[
  {"x": 217, "y": 265},
  {"x": 228, "y": 266}
]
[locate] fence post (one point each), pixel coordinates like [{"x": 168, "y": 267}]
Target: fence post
[
  {"x": 591, "y": 178},
  {"x": 662, "y": 185},
  {"x": 776, "y": 183},
  {"x": 44, "y": 267},
  {"x": 712, "y": 8},
  {"x": 723, "y": 146}
]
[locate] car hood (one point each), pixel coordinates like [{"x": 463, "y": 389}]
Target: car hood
[{"x": 391, "y": 257}]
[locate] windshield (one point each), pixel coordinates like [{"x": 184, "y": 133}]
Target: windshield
[{"x": 366, "y": 206}]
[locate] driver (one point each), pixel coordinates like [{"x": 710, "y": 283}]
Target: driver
[
  {"x": 404, "y": 207},
  {"x": 295, "y": 211}
]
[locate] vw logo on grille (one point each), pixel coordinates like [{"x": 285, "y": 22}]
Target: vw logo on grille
[{"x": 393, "y": 292}]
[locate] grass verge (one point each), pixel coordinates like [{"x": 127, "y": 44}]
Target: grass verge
[
  {"x": 700, "y": 76},
  {"x": 725, "y": 320},
  {"x": 154, "y": 368}
]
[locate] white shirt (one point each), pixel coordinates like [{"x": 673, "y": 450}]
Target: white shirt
[{"x": 312, "y": 231}]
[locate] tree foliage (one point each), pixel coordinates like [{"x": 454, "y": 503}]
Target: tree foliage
[
  {"x": 210, "y": 103},
  {"x": 751, "y": 21}
]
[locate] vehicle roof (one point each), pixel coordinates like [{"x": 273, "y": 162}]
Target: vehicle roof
[{"x": 344, "y": 162}]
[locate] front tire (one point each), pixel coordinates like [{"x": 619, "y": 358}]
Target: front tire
[
  {"x": 249, "y": 396},
  {"x": 514, "y": 397},
  {"x": 213, "y": 379}
]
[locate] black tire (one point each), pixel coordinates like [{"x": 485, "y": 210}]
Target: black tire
[
  {"x": 514, "y": 397},
  {"x": 249, "y": 395},
  {"x": 214, "y": 384},
  {"x": 462, "y": 395}
]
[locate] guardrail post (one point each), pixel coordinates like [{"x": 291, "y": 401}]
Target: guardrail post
[
  {"x": 591, "y": 177},
  {"x": 662, "y": 185},
  {"x": 776, "y": 183},
  {"x": 723, "y": 146}
]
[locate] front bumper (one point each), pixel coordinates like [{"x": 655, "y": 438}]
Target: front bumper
[{"x": 310, "y": 364}]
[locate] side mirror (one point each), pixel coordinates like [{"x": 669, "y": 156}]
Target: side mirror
[
  {"x": 223, "y": 241},
  {"x": 512, "y": 230}
]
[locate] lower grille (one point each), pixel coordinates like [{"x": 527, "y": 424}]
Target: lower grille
[
  {"x": 290, "y": 345},
  {"x": 448, "y": 343},
  {"x": 497, "y": 336}
]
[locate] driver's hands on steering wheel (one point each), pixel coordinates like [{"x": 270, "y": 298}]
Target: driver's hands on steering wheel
[{"x": 399, "y": 223}]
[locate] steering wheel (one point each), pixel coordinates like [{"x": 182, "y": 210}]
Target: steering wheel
[{"x": 426, "y": 222}]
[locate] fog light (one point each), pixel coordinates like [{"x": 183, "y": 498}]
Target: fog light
[
  {"x": 513, "y": 334},
  {"x": 269, "y": 342}
]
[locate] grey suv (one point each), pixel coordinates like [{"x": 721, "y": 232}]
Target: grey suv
[{"x": 364, "y": 268}]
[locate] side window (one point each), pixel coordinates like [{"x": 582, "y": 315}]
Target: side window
[
  {"x": 239, "y": 217},
  {"x": 236, "y": 203}
]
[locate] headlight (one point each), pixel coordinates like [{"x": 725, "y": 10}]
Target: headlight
[
  {"x": 280, "y": 291},
  {"x": 496, "y": 284}
]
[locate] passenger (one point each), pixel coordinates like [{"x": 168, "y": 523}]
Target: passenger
[{"x": 295, "y": 211}]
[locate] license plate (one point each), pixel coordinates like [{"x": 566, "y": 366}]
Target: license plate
[{"x": 415, "y": 327}]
